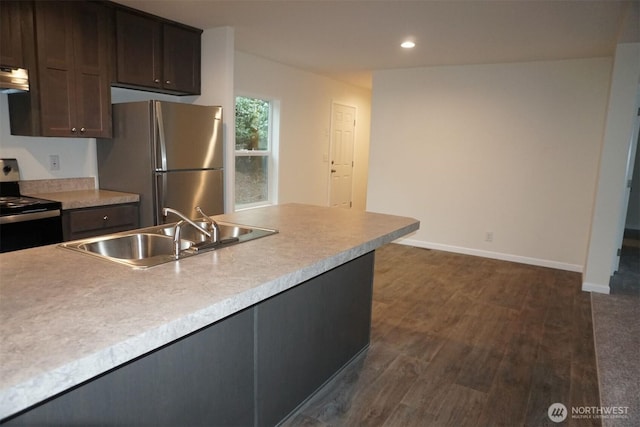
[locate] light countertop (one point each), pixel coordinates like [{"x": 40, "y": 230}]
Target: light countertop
[
  {"x": 66, "y": 317},
  {"x": 76, "y": 199},
  {"x": 75, "y": 193}
]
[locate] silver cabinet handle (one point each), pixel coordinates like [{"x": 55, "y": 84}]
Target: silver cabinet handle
[
  {"x": 105, "y": 218},
  {"x": 82, "y": 130},
  {"x": 168, "y": 82},
  {"x": 156, "y": 80},
  {"x": 74, "y": 130}
]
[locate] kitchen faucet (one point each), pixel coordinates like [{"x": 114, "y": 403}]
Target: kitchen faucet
[{"x": 213, "y": 236}]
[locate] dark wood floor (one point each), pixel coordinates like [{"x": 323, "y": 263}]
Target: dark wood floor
[{"x": 465, "y": 341}]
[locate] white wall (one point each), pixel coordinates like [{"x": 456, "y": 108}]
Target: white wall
[
  {"x": 77, "y": 155},
  {"x": 609, "y": 212},
  {"x": 505, "y": 148},
  {"x": 217, "y": 89},
  {"x": 305, "y": 102}
]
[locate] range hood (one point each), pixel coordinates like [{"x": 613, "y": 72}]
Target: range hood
[{"x": 13, "y": 80}]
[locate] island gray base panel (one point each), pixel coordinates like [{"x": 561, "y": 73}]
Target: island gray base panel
[
  {"x": 293, "y": 413},
  {"x": 251, "y": 369},
  {"x": 189, "y": 382},
  {"x": 309, "y": 332}
]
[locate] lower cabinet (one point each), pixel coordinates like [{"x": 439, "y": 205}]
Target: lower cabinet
[
  {"x": 96, "y": 221},
  {"x": 251, "y": 369}
]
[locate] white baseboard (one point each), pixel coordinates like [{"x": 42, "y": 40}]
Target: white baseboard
[
  {"x": 593, "y": 287},
  {"x": 494, "y": 255}
]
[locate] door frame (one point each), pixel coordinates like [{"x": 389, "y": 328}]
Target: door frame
[{"x": 631, "y": 157}]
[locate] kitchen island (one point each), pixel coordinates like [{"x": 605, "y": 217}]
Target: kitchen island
[{"x": 78, "y": 332}]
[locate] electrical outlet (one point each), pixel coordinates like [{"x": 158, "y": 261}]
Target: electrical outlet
[
  {"x": 488, "y": 236},
  {"x": 54, "y": 162}
]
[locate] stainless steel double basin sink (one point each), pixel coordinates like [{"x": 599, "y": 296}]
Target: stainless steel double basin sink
[{"x": 151, "y": 246}]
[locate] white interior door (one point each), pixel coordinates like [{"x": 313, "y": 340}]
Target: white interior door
[{"x": 342, "y": 139}]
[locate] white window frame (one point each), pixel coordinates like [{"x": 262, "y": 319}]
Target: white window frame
[{"x": 271, "y": 153}]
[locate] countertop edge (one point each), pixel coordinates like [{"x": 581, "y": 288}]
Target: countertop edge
[
  {"x": 78, "y": 199},
  {"x": 38, "y": 388}
]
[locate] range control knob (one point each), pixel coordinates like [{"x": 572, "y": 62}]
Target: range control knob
[{"x": 6, "y": 169}]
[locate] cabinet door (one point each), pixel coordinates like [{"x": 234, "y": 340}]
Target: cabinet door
[
  {"x": 54, "y": 41},
  {"x": 181, "y": 59},
  {"x": 11, "y": 34},
  {"x": 71, "y": 41},
  {"x": 138, "y": 50},
  {"x": 93, "y": 97}
]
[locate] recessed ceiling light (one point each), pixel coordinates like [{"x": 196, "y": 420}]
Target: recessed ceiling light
[{"x": 408, "y": 44}]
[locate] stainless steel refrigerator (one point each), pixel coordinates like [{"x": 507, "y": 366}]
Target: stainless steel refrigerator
[{"x": 169, "y": 153}]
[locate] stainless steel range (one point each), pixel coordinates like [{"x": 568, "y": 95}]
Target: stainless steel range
[{"x": 25, "y": 221}]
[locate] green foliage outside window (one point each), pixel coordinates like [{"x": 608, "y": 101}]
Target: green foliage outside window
[
  {"x": 252, "y": 124},
  {"x": 252, "y": 166}
]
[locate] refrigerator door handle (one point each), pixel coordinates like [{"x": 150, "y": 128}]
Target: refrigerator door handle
[
  {"x": 161, "y": 197},
  {"x": 161, "y": 148}
]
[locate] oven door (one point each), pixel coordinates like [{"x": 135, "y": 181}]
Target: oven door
[{"x": 22, "y": 231}]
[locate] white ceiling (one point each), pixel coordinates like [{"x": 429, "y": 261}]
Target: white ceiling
[{"x": 347, "y": 39}]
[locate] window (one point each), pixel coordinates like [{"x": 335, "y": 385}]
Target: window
[{"x": 255, "y": 161}]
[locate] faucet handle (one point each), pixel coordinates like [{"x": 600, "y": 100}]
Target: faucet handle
[
  {"x": 201, "y": 212},
  {"x": 211, "y": 225}
]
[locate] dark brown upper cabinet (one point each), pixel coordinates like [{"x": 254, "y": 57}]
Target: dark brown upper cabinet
[
  {"x": 157, "y": 55},
  {"x": 72, "y": 97}
]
